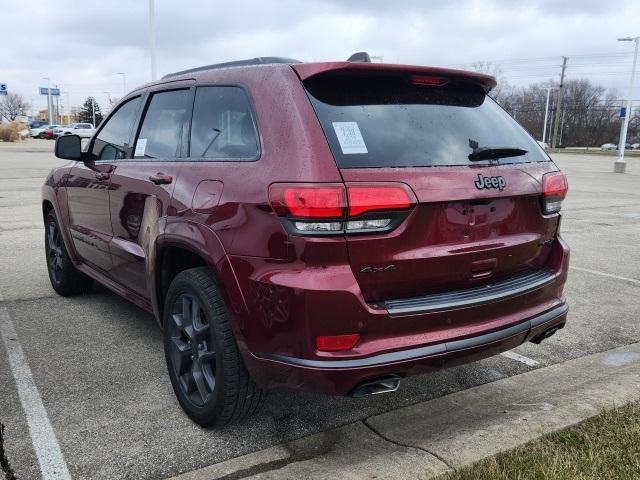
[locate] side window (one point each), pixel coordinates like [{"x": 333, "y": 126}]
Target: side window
[
  {"x": 161, "y": 132},
  {"x": 111, "y": 142},
  {"x": 222, "y": 125}
]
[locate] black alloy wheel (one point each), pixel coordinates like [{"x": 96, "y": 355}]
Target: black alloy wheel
[
  {"x": 207, "y": 372},
  {"x": 54, "y": 252},
  {"x": 65, "y": 278},
  {"x": 192, "y": 350}
]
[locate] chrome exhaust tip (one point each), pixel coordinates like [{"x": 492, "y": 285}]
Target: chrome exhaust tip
[
  {"x": 546, "y": 334},
  {"x": 387, "y": 384}
]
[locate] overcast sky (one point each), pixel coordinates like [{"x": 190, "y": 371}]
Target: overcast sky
[{"x": 81, "y": 45}]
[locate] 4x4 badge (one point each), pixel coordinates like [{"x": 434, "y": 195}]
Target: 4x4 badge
[{"x": 490, "y": 182}]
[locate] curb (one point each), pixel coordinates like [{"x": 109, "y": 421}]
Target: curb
[{"x": 433, "y": 437}]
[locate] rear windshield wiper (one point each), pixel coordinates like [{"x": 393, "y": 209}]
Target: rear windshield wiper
[{"x": 493, "y": 153}]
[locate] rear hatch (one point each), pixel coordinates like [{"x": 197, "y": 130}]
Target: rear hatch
[{"x": 475, "y": 219}]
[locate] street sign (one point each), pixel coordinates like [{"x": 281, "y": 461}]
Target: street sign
[
  {"x": 623, "y": 112},
  {"x": 3, "y": 88},
  {"x": 54, "y": 91}
]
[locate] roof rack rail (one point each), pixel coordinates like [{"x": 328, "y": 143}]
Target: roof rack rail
[{"x": 237, "y": 63}]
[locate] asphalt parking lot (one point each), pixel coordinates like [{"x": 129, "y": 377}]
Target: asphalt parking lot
[{"x": 98, "y": 364}]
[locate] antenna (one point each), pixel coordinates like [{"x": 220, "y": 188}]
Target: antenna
[{"x": 360, "y": 57}]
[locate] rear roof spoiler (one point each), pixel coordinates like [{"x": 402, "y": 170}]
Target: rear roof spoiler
[{"x": 307, "y": 70}]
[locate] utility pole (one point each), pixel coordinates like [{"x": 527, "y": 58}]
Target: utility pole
[
  {"x": 620, "y": 164},
  {"x": 152, "y": 38},
  {"x": 554, "y": 140},
  {"x": 562, "y": 125},
  {"x": 546, "y": 116},
  {"x": 93, "y": 111}
]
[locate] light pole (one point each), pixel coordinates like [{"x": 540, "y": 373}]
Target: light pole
[
  {"x": 68, "y": 109},
  {"x": 48, "y": 99},
  {"x": 108, "y": 101},
  {"x": 124, "y": 83},
  {"x": 152, "y": 38},
  {"x": 546, "y": 115},
  {"x": 93, "y": 111},
  {"x": 57, "y": 109},
  {"x": 620, "y": 164}
]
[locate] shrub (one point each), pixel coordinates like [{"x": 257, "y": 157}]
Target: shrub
[{"x": 10, "y": 132}]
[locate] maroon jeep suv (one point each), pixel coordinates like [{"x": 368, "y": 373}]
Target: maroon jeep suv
[{"x": 332, "y": 227}]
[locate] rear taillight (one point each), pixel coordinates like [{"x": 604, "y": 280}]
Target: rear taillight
[
  {"x": 554, "y": 189},
  {"x": 311, "y": 209},
  {"x": 310, "y": 201},
  {"x": 372, "y": 198}
]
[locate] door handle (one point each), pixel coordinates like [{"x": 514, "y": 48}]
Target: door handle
[
  {"x": 102, "y": 175},
  {"x": 161, "y": 179}
]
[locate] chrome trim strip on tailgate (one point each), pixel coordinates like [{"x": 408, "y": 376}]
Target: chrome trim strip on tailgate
[{"x": 490, "y": 292}]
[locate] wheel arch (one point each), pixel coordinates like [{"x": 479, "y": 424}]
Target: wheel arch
[
  {"x": 47, "y": 206},
  {"x": 52, "y": 203},
  {"x": 175, "y": 254},
  {"x": 171, "y": 259}
]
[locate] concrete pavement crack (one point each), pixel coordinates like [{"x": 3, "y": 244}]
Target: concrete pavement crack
[{"x": 405, "y": 445}]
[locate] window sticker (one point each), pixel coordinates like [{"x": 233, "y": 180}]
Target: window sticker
[
  {"x": 350, "y": 138},
  {"x": 141, "y": 146}
]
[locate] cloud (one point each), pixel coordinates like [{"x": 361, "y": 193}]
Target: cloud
[{"x": 81, "y": 47}]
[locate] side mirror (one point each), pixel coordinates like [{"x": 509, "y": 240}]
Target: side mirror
[{"x": 69, "y": 147}]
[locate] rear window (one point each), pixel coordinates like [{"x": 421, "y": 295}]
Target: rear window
[
  {"x": 379, "y": 121},
  {"x": 222, "y": 127}
]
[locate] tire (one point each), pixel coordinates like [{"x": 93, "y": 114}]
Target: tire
[
  {"x": 40, "y": 135},
  {"x": 65, "y": 279},
  {"x": 206, "y": 370}
]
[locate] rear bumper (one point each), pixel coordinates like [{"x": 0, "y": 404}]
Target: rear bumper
[
  {"x": 341, "y": 376},
  {"x": 288, "y": 305}
]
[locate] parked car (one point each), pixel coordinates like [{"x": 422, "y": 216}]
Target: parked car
[
  {"x": 49, "y": 132},
  {"x": 38, "y": 132},
  {"x": 38, "y": 123},
  {"x": 544, "y": 145},
  {"x": 635, "y": 146},
  {"x": 83, "y": 130},
  {"x": 370, "y": 222},
  {"x": 34, "y": 131},
  {"x": 609, "y": 146}
]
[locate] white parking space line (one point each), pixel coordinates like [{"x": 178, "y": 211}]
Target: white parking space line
[
  {"x": 604, "y": 274},
  {"x": 43, "y": 438},
  {"x": 520, "y": 358}
]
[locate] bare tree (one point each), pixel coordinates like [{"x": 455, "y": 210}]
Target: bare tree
[
  {"x": 634, "y": 127},
  {"x": 589, "y": 116},
  {"x": 12, "y": 106},
  {"x": 503, "y": 88}
]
